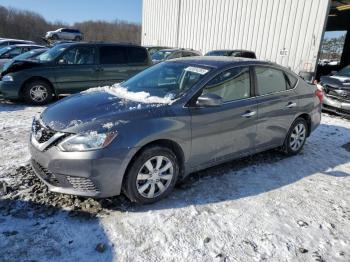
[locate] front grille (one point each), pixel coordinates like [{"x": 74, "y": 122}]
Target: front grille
[
  {"x": 82, "y": 184},
  {"x": 46, "y": 174}
]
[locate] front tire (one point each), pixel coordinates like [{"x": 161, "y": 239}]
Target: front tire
[
  {"x": 38, "y": 92},
  {"x": 152, "y": 176},
  {"x": 296, "y": 137},
  {"x": 54, "y": 37}
]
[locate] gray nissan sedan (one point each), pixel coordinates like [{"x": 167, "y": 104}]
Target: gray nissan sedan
[{"x": 142, "y": 136}]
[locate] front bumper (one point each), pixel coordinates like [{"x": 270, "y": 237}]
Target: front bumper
[
  {"x": 336, "y": 105},
  {"x": 10, "y": 89},
  {"x": 96, "y": 173}
]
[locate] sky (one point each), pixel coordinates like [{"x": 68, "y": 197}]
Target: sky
[
  {"x": 70, "y": 11},
  {"x": 334, "y": 34}
]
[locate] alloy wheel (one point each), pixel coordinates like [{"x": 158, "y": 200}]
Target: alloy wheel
[
  {"x": 297, "y": 137},
  {"x": 38, "y": 93}
]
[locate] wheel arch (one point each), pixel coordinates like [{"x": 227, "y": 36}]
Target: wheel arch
[
  {"x": 35, "y": 78},
  {"x": 168, "y": 143},
  {"x": 307, "y": 118}
]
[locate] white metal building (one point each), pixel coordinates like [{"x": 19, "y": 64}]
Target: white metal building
[{"x": 288, "y": 32}]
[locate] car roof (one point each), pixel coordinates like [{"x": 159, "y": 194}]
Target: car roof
[
  {"x": 24, "y": 45},
  {"x": 101, "y": 43},
  {"x": 19, "y": 40},
  {"x": 232, "y": 50},
  {"x": 221, "y": 61}
]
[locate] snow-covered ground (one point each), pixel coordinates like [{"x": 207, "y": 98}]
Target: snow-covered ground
[{"x": 265, "y": 207}]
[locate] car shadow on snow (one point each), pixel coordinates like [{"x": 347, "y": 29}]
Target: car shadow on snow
[
  {"x": 11, "y": 106},
  {"x": 323, "y": 153},
  {"x": 39, "y": 232}
]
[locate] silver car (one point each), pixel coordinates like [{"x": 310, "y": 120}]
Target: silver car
[
  {"x": 65, "y": 34},
  {"x": 142, "y": 136}
]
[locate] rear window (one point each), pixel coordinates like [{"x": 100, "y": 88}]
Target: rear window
[
  {"x": 137, "y": 55},
  {"x": 113, "y": 55}
]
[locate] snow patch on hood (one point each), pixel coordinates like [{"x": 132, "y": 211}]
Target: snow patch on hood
[{"x": 121, "y": 92}]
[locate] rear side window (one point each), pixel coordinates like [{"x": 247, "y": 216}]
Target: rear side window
[
  {"x": 137, "y": 55},
  {"x": 292, "y": 81},
  {"x": 113, "y": 55},
  {"x": 270, "y": 80},
  {"x": 248, "y": 55},
  {"x": 231, "y": 85}
]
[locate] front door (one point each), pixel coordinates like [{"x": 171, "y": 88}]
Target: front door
[
  {"x": 227, "y": 131},
  {"x": 76, "y": 70}
]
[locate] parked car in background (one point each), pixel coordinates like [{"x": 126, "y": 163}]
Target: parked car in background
[
  {"x": 154, "y": 49},
  {"x": 25, "y": 56},
  {"x": 336, "y": 88},
  {"x": 65, "y": 34},
  {"x": 194, "y": 112},
  {"x": 72, "y": 67},
  {"x": 234, "y": 53},
  {"x": 7, "y": 42},
  {"x": 167, "y": 54},
  {"x": 9, "y": 52}
]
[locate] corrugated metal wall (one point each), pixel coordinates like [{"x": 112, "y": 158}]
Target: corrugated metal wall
[{"x": 287, "y": 32}]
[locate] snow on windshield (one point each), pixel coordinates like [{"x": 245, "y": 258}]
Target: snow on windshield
[{"x": 121, "y": 92}]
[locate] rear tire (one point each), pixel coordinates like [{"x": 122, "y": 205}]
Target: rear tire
[
  {"x": 296, "y": 137},
  {"x": 38, "y": 92},
  {"x": 152, "y": 175},
  {"x": 77, "y": 38}
]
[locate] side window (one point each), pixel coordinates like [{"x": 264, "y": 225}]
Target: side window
[
  {"x": 292, "y": 80},
  {"x": 175, "y": 55},
  {"x": 248, "y": 55},
  {"x": 78, "y": 56},
  {"x": 231, "y": 85},
  {"x": 270, "y": 80},
  {"x": 137, "y": 55},
  {"x": 113, "y": 55}
]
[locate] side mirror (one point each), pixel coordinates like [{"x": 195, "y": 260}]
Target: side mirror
[
  {"x": 333, "y": 73},
  {"x": 209, "y": 100}
]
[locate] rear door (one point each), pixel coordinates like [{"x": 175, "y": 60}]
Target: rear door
[
  {"x": 277, "y": 106},
  {"x": 113, "y": 64},
  {"x": 227, "y": 131},
  {"x": 76, "y": 69}
]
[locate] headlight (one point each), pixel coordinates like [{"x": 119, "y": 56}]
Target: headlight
[
  {"x": 86, "y": 142},
  {"x": 7, "y": 78}
]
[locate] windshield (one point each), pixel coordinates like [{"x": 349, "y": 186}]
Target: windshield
[
  {"x": 166, "y": 80},
  {"x": 4, "y": 50},
  {"x": 161, "y": 55},
  {"x": 52, "y": 53},
  {"x": 344, "y": 72},
  {"x": 29, "y": 54}
]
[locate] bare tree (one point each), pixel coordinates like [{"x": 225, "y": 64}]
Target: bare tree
[{"x": 22, "y": 24}]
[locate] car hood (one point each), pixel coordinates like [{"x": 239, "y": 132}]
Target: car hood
[
  {"x": 19, "y": 65},
  {"x": 94, "y": 111},
  {"x": 336, "y": 81}
]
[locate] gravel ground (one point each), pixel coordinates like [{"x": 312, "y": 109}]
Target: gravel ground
[{"x": 264, "y": 207}]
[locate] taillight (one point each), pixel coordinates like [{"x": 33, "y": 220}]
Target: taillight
[{"x": 319, "y": 94}]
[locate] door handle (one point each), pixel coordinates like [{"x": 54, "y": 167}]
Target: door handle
[
  {"x": 249, "y": 114},
  {"x": 291, "y": 105}
]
